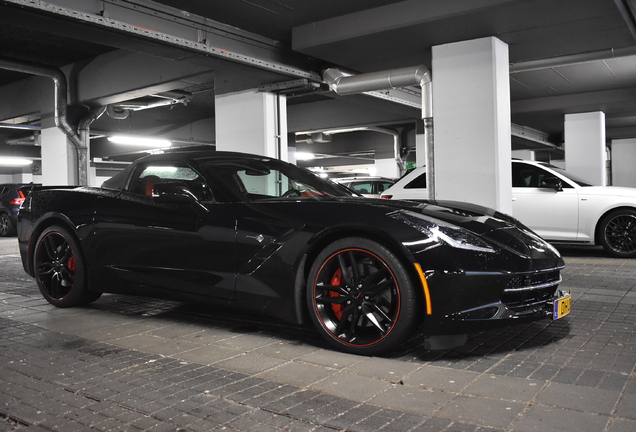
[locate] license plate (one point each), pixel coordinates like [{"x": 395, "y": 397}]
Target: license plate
[{"x": 562, "y": 307}]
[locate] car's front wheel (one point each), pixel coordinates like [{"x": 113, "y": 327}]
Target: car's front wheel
[
  {"x": 618, "y": 233},
  {"x": 59, "y": 269},
  {"x": 6, "y": 226},
  {"x": 361, "y": 298}
]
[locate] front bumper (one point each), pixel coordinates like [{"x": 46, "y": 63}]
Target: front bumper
[
  {"x": 502, "y": 311},
  {"x": 467, "y": 302}
]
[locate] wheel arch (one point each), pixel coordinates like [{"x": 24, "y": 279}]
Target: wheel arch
[
  {"x": 324, "y": 238},
  {"x": 46, "y": 221},
  {"x": 597, "y": 227}
]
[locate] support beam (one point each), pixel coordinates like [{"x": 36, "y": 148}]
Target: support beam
[{"x": 119, "y": 76}]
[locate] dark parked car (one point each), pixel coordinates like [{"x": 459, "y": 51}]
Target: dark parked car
[
  {"x": 11, "y": 197},
  {"x": 260, "y": 234}
]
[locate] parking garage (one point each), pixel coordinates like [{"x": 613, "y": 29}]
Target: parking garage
[{"x": 345, "y": 89}]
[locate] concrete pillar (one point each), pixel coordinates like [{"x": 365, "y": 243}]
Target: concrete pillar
[
  {"x": 420, "y": 148},
  {"x": 585, "y": 146},
  {"x": 252, "y": 122},
  {"x": 59, "y": 159},
  {"x": 387, "y": 168},
  {"x": 471, "y": 112},
  {"x": 624, "y": 162}
]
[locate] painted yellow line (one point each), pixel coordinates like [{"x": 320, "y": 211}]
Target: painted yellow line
[{"x": 427, "y": 294}]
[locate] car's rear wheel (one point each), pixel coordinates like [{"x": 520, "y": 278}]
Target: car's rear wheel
[
  {"x": 618, "y": 233},
  {"x": 361, "y": 298},
  {"x": 59, "y": 269},
  {"x": 6, "y": 226}
]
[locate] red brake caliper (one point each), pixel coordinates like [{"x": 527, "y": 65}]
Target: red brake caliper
[
  {"x": 71, "y": 266},
  {"x": 336, "y": 280}
]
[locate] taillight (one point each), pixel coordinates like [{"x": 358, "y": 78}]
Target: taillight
[
  {"x": 387, "y": 196},
  {"x": 18, "y": 201}
]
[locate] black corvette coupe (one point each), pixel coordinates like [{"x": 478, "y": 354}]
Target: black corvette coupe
[{"x": 257, "y": 233}]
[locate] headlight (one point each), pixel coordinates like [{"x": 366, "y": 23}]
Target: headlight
[{"x": 438, "y": 231}]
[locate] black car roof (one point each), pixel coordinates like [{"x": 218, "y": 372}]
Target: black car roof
[{"x": 184, "y": 154}]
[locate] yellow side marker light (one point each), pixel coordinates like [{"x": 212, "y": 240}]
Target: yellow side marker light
[{"x": 427, "y": 294}]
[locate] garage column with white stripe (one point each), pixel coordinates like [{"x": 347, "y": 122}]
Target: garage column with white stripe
[
  {"x": 471, "y": 112},
  {"x": 252, "y": 122},
  {"x": 584, "y": 135}
]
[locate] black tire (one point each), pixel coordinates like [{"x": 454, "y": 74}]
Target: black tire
[
  {"x": 618, "y": 233},
  {"x": 6, "y": 226},
  {"x": 59, "y": 269},
  {"x": 361, "y": 298}
]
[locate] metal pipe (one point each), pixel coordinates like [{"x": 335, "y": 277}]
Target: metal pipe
[
  {"x": 345, "y": 84},
  {"x": 572, "y": 59},
  {"x": 82, "y": 151},
  {"x": 19, "y": 126},
  {"x": 397, "y": 145},
  {"x": 59, "y": 79},
  {"x": 429, "y": 147},
  {"x": 117, "y": 113}
]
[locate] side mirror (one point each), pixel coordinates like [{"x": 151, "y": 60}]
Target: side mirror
[
  {"x": 175, "y": 193},
  {"x": 552, "y": 183}
]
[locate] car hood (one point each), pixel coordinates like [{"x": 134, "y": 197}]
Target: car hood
[
  {"x": 473, "y": 217},
  {"x": 507, "y": 232}
]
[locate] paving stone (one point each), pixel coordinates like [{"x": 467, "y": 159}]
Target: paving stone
[
  {"x": 508, "y": 388},
  {"x": 542, "y": 418},
  {"x": 482, "y": 411},
  {"x": 411, "y": 399},
  {"x": 578, "y": 398},
  {"x": 349, "y": 386}
]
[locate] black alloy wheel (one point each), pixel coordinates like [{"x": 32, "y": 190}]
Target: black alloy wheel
[
  {"x": 6, "y": 227},
  {"x": 361, "y": 298},
  {"x": 618, "y": 233},
  {"x": 59, "y": 269}
]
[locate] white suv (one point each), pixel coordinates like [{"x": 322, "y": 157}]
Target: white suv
[{"x": 557, "y": 205}]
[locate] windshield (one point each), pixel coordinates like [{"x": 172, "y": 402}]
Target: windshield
[
  {"x": 576, "y": 179},
  {"x": 268, "y": 179}
]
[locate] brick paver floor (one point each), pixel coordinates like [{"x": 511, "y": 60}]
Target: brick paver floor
[{"x": 135, "y": 364}]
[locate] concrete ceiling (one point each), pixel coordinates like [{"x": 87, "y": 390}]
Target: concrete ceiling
[{"x": 590, "y": 45}]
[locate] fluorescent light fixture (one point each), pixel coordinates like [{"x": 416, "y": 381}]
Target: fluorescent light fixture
[
  {"x": 141, "y": 141},
  {"x": 14, "y": 161},
  {"x": 305, "y": 156}
]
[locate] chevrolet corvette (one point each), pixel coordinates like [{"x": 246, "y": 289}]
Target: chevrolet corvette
[{"x": 260, "y": 234}]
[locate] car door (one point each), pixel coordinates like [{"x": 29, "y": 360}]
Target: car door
[
  {"x": 166, "y": 246},
  {"x": 552, "y": 214}
]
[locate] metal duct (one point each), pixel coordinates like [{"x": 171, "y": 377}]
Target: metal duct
[
  {"x": 82, "y": 151},
  {"x": 571, "y": 59},
  {"x": 59, "y": 79},
  {"x": 121, "y": 110},
  {"x": 344, "y": 84},
  {"x": 19, "y": 126},
  {"x": 397, "y": 145},
  {"x": 116, "y": 112},
  {"x": 347, "y": 84}
]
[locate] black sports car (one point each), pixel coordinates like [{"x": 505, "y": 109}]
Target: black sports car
[{"x": 261, "y": 234}]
